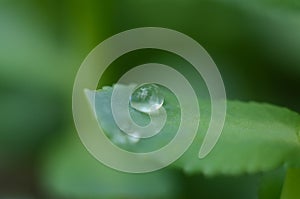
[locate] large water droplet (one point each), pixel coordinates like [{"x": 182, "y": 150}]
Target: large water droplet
[{"x": 146, "y": 98}]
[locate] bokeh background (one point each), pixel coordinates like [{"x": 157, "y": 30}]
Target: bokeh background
[{"x": 255, "y": 44}]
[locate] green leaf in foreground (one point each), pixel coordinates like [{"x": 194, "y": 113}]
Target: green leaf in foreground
[
  {"x": 256, "y": 137},
  {"x": 69, "y": 171}
]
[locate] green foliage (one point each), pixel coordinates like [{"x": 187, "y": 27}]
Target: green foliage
[
  {"x": 256, "y": 137},
  {"x": 291, "y": 185},
  {"x": 255, "y": 44},
  {"x": 69, "y": 171}
]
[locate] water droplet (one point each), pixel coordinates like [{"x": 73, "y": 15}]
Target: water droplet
[{"x": 146, "y": 98}]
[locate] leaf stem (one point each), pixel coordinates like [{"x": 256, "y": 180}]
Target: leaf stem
[{"x": 291, "y": 189}]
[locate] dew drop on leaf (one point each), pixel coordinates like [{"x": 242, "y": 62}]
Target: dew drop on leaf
[{"x": 146, "y": 98}]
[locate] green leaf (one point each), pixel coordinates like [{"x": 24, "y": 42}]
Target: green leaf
[
  {"x": 291, "y": 185},
  {"x": 69, "y": 171},
  {"x": 256, "y": 136},
  {"x": 121, "y": 139},
  {"x": 271, "y": 184}
]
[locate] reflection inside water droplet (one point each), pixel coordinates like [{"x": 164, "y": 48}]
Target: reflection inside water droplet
[{"x": 146, "y": 98}]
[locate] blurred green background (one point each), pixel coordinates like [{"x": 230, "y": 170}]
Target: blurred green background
[{"x": 255, "y": 44}]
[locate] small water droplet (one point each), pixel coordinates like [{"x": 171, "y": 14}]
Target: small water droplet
[{"x": 146, "y": 98}]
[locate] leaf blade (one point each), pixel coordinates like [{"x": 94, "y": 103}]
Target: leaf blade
[{"x": 256, "y": 137}]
